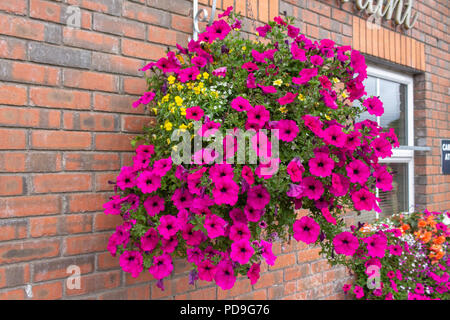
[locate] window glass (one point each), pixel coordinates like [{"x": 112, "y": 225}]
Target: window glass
[
  {"x": 396, "y": 200},
  {"x": 393, "y": 96},
  {"x": 371, "y": 88}
]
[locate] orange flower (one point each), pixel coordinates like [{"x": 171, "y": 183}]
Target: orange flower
[
  {"x": 405, "y": 227},
  {"x": 422, "y": 223},
  {"x": 439, "y": 240},
  {"x": 427, "y": 237}
]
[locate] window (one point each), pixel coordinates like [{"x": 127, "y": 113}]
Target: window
[{"x": 396, "y": 92}]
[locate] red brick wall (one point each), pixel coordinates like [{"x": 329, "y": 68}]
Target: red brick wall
[{"x": 66, "y": 122}]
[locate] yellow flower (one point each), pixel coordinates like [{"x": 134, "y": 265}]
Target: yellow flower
[
  {"x": 190, "y": 124},
  {"x": 178, "y": 101},
  {"x": 244, "y": 48},
  {"x": 344, "y": 95},
  {"x": 301, "y": 97},
  {"x": 172, "y": 110},
  {"x": 206, "y": 75},
  {"x": 257, "y": 33},
  {"x": 215, "y": 94},
  {"x": 335, "y": 80},
  {"x": 180, "y": 58},
  {"x": 165, "y": 98},
  {"x": 155, "y": 110},
  {"x": 171, "y": 79},
  {"x": 201, "y": 85},
  {"x": 278, "y": 82},
  {"x": 180, "y": 86},
  {"x": 168, "y": 125},
  {"x": 327, "y": 117},
  {"x": 183, "y": 127},
  {"x": 175, "y": 148},
  {"x": 199, "y": 77},
  {"x": 283, "y": 110},
  {"x": 197, "y": 90},
  {"x": 168, "y": 141},
  {"x": 183, "y": 111}
]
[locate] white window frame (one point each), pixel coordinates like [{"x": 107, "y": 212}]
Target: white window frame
[{"x": 404, "y": 154}]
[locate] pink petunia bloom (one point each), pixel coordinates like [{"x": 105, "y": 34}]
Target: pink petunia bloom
[
  {"x": 145, "y": 99},
  {"x": 376, "y": 245},
  {"x": 205, "y": 156},
  {"x": 288, "y": 130},
  {"x": 262, "y": 31},
  {"x": 241, "y": 251},
  {"x": 364, "y": 200},
  {"x": 192, "y": 237},
  {"x": 288, "y": 98},
  {"x": 224, "y": 275},
  {"x": 148, "y": 182},
  {"x": 339, "y": 184},
  {"x": 316, "y": 60},
  {"x": 253, "y": 273},
  {"x": 313, "y": 188},
  {"x": 199, "y": 62},
  {"x": 353, "y": 140},
  {"x": 313, "y": 123},
  {"x": 250, "y": 66},
  {"x": 327, "y": 215},
  {"x": 126, "y": 178},
  {"x": 194, "y": 255},
  {"x": 325, "y": 82},
  {"x": 206, "y": 270},
  {"x": 239, "y": 231},
  {"x": 305, "y": 76},
  {"x": 253, "y": 214},
  {"x": 113, "y": 206},
  {"x": 182, "y": 199},
  {"x": 346, "y": 288},
  {"x": 266, "y": 252},
  {"x": 168, "y": 226},
  {"x": 220, "y": 72},
  {"x": 295, "y": 170},
  {"x": 374, "y": 106},
  {"x": 154, "y": 205},
  {"x": 358, "y": 172},
  {"x": 219, "y": 29},
  {"x": 145, "y": 150},
  {"x": 226, "y": 13},
  {"x": 140, "y": 162},
  {"x": 162, "y": 166},
  {"x": 261, "y": 145},
  {"x": 297, "y": 53},
  {"x": 334, "y": 136},
  {"x": 267, "y": 89},
  {"x": 345, "y": 243},
  {"x": 251, "y": 81},
  {"x": 194, "y": 113},
  {"x": 225, "y": 192},
  {"x": 258, "y": 56},
  {"x": 208, "y": 128},
  {"x": 188, "y": 74},
  {"x": 258, "y": 114},
  {"x": 221, "y": 171},
  {"x": 162, "y": 266},
  {"x": 237, "y": 215},
  {"x": 306, "y": 229},
  {"x": 132, "y": 262},
  {"x": 241, "y": 104},
  {"x": 395, "y": 250},
  {"x": 293, "y": 31},
  {"x": 381, "y": 147},
  {"x": 247, "y": 175},
  {"x": 383, "y": 179},
  {"x": 149, "y": 240},
  {"x": 359, "y": 292},
  {"x": 258, "y": 197},
  {"x": 321, "y": 166},
  {"x": 215, "y": 226}
]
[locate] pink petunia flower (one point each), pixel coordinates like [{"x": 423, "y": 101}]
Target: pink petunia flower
[
  {"x": 321, "y": 165},
  {"x": 241, "y": 104},
  {"x": 266, "y": 252},
  {"x": 383, "y": 179},
  {"x": 345, "y": 243},
  {"x": 253, "y": 273},
  {"x": 295, "y": 170},
  {"x": 364, "y": 200},
  {"x": 376, "y": 245},
  {"x": 148, "y": 182},
  {"x": 241, "y": 251},
  {"x": 154, "y": 205},
  {"x": 297, "y": 53},
  {"x": 206, "y": 270},
  {"x": 339, "y": 184},
  {"x": 288, "y": 130},
  {"x": 225, "y": 192},
  {"x": 162, "y": 166},
  {"x": 132, "y": 262},
  {"x": 239, "y": 231},
  {"x": 224, "y": 275},
  {"x": 374, "y": 106},
  {"x": 162, "y": 266},
  {"x": 215, "y": 226},
  {"x": 306, "y": 229},
  {"x": 312, "y": 188},
  {"x": 305, "y": 76},
  {"x": 358, "y": 172},
  {"x": 334, "y": 136},
  {"x": 194, "y": 113},
  {"x": 258, "y": 197},
  {"x": 219, "y": 29},
  {"x": 316, "y": 60},
  {"x": 247, "y": 174},
  {"x": 287, "y": 99},
  {"x": 149, "y": 240},
  {"x": 168, "y": 226}
]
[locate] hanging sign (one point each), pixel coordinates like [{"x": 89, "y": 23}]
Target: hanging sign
[{"x": 445, "y": 148}]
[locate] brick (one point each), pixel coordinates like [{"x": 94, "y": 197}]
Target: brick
[
  {"x": 13, "y": 95},
  {"x": 13, "y": 49},
  {"x": 133, "y": 293},
  {"x": 136, "y": 123},
  {"x": 61, "y": 56},
  {"x": 113, "y": 7},
  {"x": 115, "y": 103},
  {"x": 75, "y": 223},
  {"x": 283, "y": 261},
  {"x": 161, "y": 35},
  {"x": 90, "y": 80},
  {"x": 142, "y": 50},
  {"x": 90, "y": 40},
  {"x": 105, "y": 222},
  {"x": 96, "y": 282},
  {"x": 26, "y": 117},
  {"x": 11, "y": 185},
  {"x": 45, "y": 10},
  {"x": 53, "y": 33},
  {"x": 15, "y": 275},
  {"x": 47, "y": 183},
  {"x": 91, "y": 161},
  {"x": 136, "y": 86},
  {"x": 12, "y": 162},
  {"x": 48, "y": 291},
  {"x": 146, "y": 14},
  {"x": 14, "y": 6},
  {"x": 241, "y": 286},
  {"x": 13, "y": 229},
  {"x": 105, "y": 261},
  {"x": 85, "y": 243},
  {"x": 308, "y": 255},
  {"x": 12, "y": 139},
  {"x": 44, "y": 226},
  {"x": 142, "y": 278},
  {"x": 21, "y": 27},
  {"x": 102, "y": 181},
  {"x": 58, "y": 98},
  {"x": 116, "y": 64},
  {"x": 16, "y": 294},
  {"x": 28, "y": 250},
  {"x": 43, "y": 162},
  {"x": 60, "y": 140},
  {"x": 119, "y": 26},
  {"x": 157, "y": 293},
  {"x": 86, "y": 202},
  {"x": 113, "y": 142},
  {"x": 30, "y": 206},
  {"x": 31, "y": 73},
  {"x": 58, "y": 268},
  {"x": 89, "y": 121},
  {"x": 182, "y": 23}
]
